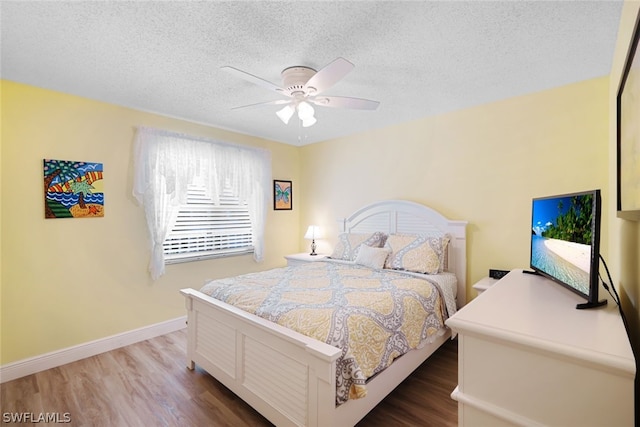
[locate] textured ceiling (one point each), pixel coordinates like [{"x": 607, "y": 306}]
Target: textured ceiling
[{"x": 418, "y": 58}]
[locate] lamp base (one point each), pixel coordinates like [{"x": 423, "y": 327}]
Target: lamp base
[{"x": 313, "y": 248}]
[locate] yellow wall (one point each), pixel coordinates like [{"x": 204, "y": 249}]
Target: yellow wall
[
  {"x": 66, "y": 282},
  {"x": 69, "y": 281},
  {"x": 482, "y": 164},
  {"x": 624, "y": 242}
]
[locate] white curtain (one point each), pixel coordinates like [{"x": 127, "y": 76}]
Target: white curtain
[{"x": 165, "y": 163}]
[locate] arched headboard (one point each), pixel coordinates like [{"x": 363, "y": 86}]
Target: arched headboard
[{"x": 403, "y": 216}]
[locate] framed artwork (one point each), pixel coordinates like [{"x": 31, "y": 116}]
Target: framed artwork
[
  {"x": 282, "y": 195},
  {"x": 628, "y": 134},
  {"x": 73, "y": 189}
]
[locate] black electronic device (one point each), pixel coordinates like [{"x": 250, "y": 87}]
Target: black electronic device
[
  {"x": 497, "y": 274},
  {"x": 565, "y": 242}
]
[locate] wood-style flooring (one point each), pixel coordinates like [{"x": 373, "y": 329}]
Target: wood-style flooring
[{"x": 147, "y": 384}]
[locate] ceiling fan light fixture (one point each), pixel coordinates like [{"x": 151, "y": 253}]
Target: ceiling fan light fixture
[
  {"x": 308, "y": 122},
  {"x": 303, "y": 85},
  {"x": 305, "y": 111},
  {"x": 285, "y": 114}
]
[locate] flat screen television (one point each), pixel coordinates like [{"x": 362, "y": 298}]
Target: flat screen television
[{"x": 565, "y": 242}]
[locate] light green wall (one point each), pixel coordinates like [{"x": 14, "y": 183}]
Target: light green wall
[
  {"x": 482, "y": 164},
  {"x": 70, "y": 281}
]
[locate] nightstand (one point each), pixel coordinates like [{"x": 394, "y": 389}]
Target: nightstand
[
  {"x": 484, "y": 284},
  {"x": 301, "y": 258}
]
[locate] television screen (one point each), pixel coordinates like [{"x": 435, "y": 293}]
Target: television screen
[{"x": 565, "y": 242}]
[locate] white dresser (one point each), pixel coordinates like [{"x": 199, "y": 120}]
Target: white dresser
[{"x": 527, "y": 356}]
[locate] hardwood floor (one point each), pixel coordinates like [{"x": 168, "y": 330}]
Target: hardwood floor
[{"x": 148, "y": 384}]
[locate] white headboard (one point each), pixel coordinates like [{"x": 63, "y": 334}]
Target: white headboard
[{"x": 403, "y": 216}]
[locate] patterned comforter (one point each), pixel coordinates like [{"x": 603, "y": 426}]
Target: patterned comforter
[{"x": 374, "y": 316}]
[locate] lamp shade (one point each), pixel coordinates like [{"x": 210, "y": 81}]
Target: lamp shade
[
  {"x": 309, "y": 122},
  {"x": 285, "y": 114},
  {"x": 305, "y": 111},
  {"x": 313, "y": 232}
]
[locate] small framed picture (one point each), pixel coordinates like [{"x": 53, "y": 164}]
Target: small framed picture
[{"x": 282, "y": 195}]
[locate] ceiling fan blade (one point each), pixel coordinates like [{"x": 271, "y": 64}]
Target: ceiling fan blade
[
  {"x": 345, "y": 102},
  {"x": 263, "y": 104},
  {"x": 253, "y": 79},
  {"x": 329, "y": 75}
]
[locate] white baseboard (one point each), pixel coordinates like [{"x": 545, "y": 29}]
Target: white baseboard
[{"x": 22, "y": 368}]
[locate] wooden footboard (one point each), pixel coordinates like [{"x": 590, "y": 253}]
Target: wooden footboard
[{"x": 286, "y": 376}]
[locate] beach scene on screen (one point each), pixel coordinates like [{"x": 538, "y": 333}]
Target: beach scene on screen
[{"x": 561, "y": 239}]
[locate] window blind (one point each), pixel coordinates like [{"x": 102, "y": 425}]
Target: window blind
[{"x": 203, "y": 229}]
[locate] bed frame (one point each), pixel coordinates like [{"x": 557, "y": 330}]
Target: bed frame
[{"x": 290, "y": 378}]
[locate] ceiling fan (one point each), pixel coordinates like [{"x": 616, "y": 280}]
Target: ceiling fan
[{"x": 303, "y": 86}]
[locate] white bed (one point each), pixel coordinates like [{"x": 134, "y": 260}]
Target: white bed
[{"x": 262, "y": 362}]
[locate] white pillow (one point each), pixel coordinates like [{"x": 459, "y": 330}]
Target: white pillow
[
  {"x": 372, "y": 257},
  {"x": 349, "y": 244}
]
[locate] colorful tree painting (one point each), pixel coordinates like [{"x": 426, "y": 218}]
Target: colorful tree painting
[{"x": 73, "y": 189}]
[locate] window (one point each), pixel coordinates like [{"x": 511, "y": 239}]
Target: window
[
  {"x": 201, "y": 198},
  {"x": 204, "y": 229}
]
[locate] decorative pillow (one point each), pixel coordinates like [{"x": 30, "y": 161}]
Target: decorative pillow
[
  {"x": 349, "y": 244},
  {"x": 417, "y": 253},
  {"x": 372, "y": 257}
]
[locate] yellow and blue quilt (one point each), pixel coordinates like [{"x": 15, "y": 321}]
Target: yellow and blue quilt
[{"x": 373, "y": 316}]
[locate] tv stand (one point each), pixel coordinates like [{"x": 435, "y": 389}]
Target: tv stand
[
  {"x": 528, "y": 357},
  {"x": 531, "y": 272},
  {"x": 590, "y": 304},
  {"x": 581, "y": 306}
]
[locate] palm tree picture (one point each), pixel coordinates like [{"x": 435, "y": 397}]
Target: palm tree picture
[{"x": 73, "y": 189}]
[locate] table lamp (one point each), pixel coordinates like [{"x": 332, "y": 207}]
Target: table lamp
[{"x": 313, "y": 232}]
